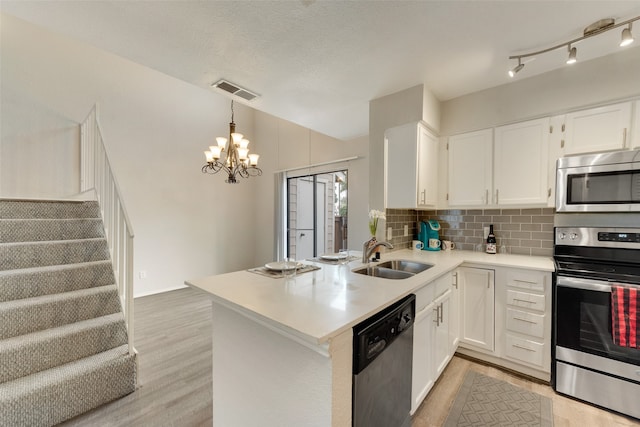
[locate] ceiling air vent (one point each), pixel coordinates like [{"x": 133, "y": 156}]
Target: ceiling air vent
[{"x": 234, "y": 90}]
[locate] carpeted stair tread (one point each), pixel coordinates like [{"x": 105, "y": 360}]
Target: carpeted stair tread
[
  {"x": 25, "y": 209},
  {"x": 52, "y": 279},
  {"x": 49, "y": 311},
  {"x": 41, "y": 230},
  {"x": 38, "y": 254},
  {"x": 52, "y": 396},
  {"x": 27, "y": 354}
]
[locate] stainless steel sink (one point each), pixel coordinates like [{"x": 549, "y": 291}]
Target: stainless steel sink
[
  {"x": 414, "y": 267},
  {"x": 385, "y": 273},
  {"x": 394, "y": 269}
]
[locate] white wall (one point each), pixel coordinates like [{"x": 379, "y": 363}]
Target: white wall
[
  {"x": 386, "y": 112},
  {"x": 599, "y": 81},
  {"x": 156, "y": 128}
]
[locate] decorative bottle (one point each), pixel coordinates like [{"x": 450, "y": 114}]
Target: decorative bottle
[{"x": 491, "y": 241}]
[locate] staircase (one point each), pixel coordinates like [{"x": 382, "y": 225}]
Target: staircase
[{"x": 63, "y": 337}]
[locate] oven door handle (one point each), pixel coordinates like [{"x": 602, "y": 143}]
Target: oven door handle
[{"x": 588, "y": 284}]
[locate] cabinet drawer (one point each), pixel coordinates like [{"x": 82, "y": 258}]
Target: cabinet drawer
[
  {"x": 528, "y": 280},
  {"x": 442, "y": 284},
  {"x": 525, "y": 323},
  {"x": 526, "y": 300},
  {"x": 524, "y": 350},
  {"x": 424, "y": 296}
]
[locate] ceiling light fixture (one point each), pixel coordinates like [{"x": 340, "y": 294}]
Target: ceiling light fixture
[
  {"x": 594, "y": 29},
  {"x": 627, "y": 37},
  {"x": 573, "y": 53},
  {"x": 232, "y": 156},
  {"x": 517, "y": 68}
]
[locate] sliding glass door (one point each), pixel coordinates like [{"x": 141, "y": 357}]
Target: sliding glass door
[{"x": 316, "y": 214}]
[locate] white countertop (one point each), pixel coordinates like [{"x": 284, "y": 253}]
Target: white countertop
[{"x": 319, "y": 305}]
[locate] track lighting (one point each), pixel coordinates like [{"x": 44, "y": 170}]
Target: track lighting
[
  {"x": 573, "y": 52},
  {"x": 627, "y": 37},
  {"x": 517, "y": 68},
  {"x": 599, "y": 27}
]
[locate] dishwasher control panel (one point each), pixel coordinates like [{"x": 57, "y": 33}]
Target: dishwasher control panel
[{"x": 372, "y": 336}]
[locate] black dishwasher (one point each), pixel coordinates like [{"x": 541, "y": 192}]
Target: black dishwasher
[{"x": 382, "y": 357}]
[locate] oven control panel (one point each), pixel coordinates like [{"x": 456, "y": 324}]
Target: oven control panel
[
  {"x": 619, "y": 237},
  {"x": 598, "y": 237}
]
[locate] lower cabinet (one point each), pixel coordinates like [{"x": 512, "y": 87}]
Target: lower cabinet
[
  {"x": 477, "y": 303},
  {"x": 433, "y": 342}
]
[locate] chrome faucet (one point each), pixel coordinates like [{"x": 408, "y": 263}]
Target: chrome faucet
[{"x": 370, "y": 246}]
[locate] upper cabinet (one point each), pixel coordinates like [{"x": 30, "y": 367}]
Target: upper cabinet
[
  {"x": 520, "y": 163},
  {"x": 635, "y": 141},
  {"x": 508, "y": 168},
  {"x": 411, "y": 167},
  {"x": 598, "y": 129},
  {"x": 471, "y": 168}
]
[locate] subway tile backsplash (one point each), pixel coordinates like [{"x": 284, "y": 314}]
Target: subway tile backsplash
[{"x": 518, "y": 231}]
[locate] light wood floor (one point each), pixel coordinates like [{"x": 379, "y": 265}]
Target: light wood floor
[{"x": 173, "y": 338}]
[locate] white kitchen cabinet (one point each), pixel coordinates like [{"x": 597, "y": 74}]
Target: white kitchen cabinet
[
  {"x": 527, "y": 320},
  {"x": 411, "y": 167},
  {"x": 432, "y": 339},
  {"x": 520, "y": 163},
  {"x": 556, "y": 150},
  {"x": 471, "y": 168},
  {"x": 477, "y": 320},
  {"x": 442, "y": 341},
  {"x": 635, "y": 140},
  {"x": 598, "y": 129},
  {"x": 422, "y": 375}
]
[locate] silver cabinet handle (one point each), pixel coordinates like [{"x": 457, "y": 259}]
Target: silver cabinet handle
[
  {"x": 486, "y": 197},
  {"x": 437, "y": 320},
  {"x": 423, "y": 197},
  {"x": 523, "y": 347},
  {"x": 525, "y": 320},
  {"x": 441, "y": 313},
  {"x": 524, "y": 300},
  {"x": 624, "y": 138},
  {"x": 455, "y": 280}
]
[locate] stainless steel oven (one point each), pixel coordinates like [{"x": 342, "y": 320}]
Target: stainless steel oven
[
  {"x": 604, "y": 182},
  {"x": 588, "y": 363}
]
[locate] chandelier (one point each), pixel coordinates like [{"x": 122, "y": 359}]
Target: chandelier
[{"x": 231, "y": 155}]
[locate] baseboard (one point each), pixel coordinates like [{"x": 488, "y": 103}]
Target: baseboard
[{"x": 159, "y": 291}]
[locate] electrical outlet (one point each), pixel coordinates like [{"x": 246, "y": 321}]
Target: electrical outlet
[
  {"x": 142, "y": 274},
  {"x": 486, "y": 232},
  {"x": 389, "y": 233}
]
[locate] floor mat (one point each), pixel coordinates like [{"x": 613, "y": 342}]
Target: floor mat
[{"x": 485, "y": 401}]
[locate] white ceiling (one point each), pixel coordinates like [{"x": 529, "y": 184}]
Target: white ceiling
[{"x": 319, "y": 63}]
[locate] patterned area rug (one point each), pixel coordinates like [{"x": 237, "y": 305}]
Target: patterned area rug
[{"x": 485, "y": 401}]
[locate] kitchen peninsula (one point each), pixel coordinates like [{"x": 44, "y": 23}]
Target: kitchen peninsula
[{"x": 282, "y": 349}]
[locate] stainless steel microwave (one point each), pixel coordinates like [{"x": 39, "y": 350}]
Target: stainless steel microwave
[{"x": 604, "y": 182}]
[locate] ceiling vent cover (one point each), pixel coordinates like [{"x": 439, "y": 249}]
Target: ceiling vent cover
[{"x": 234, "y": 89}]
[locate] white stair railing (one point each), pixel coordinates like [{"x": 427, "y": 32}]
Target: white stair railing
[{"x": 96, "y": 174}]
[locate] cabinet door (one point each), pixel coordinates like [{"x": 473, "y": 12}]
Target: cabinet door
[
  {"x": 422, "y": 367},
  {"x": 635, "y": 140},
  {"x": 427, "y": 168},
  {"x": 442, "y": 342},
  {"x": 520, "y": 163},
  {"x": 454, "y": 318},
  {"x": 598, "y": 129},
  {"x": 477, "y": 322},
  {"x": 470, "y": 168},
  {"x": 411, "y": 171}
]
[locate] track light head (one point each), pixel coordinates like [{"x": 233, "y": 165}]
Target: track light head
[
  {"x": 627, "y": 37},
  {"x": 573, "y": 53},
  {"x": 516, "y": 69}
]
